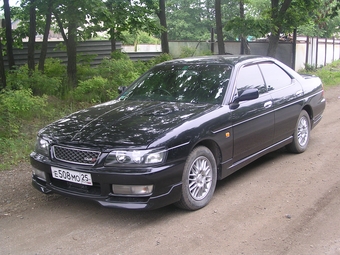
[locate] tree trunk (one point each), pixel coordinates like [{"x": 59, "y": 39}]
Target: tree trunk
[
  {"x": 72, "y": 54},
  {"x": 2, "y": 70},
  {"x": 164, "y": 35},
  {"x": 31, "y": 40},
  {"x": 219, "y": 31},
  {"x": 43, "y": 52},
  {"x": 273, "y": 43},
  {"x": 245, "y": 49},
  {"x": 9, "y": 38},
  {"x": 244, "y": 43},
  {"x": 113, "y": 40},
  {"x": 276, "y": 11}
]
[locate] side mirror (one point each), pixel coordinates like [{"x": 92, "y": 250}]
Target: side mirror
[
  {"x": 121, "y": 89},
  {"x": 248, "y": 94}
]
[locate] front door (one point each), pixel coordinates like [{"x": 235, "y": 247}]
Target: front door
[{"x": 253, "y": 120}]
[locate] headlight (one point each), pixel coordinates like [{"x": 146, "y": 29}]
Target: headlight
[
  {"x": 42, "y": 147},
  {"x": 135, "y": 157}
]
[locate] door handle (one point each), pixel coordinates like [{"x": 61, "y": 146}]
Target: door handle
[
  {"x": 299, "y": 93},
  {"x": 268, "y": 104}
]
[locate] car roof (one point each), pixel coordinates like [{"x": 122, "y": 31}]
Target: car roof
[{"x": 215, "y": 59}]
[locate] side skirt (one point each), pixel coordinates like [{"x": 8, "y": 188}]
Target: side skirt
[{"x": 228, "y": 170}]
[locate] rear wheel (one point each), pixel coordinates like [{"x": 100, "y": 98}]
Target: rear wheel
[
  {"x": 301, "y": 134},
  {"x": 199, "y": 179}
]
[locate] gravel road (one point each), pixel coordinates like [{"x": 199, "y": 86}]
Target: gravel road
[{"x": 281, "y": 204}]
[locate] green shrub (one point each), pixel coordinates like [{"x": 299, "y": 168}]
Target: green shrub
[
  {"x": 119, "y": 72},
  {"x": 161, "y": 58},
  {"x": 54, "y": 68},
  {"x": 49, "y": 83},
  {"x": 329, "y": 75},
  {"x": 118, "y": 55},
  {"x": 187, "y": 52},
  {"x": 142, "y": 66},
  {"x": 94, "y": 90},
  {"x": 18, "y": 106},
  {"x": 85, "y": 72}
]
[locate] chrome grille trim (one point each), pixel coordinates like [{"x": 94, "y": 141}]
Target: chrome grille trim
[{"x": 75, "y": 155}]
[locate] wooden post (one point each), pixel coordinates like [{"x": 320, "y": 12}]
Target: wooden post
[{"x": 307, "y": 50}]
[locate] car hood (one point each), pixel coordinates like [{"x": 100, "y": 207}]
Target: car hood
[{"x": 122, "y": 123}]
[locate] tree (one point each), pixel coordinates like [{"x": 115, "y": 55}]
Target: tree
[
  {"x": 190, "y": 19},
  {"x": 219, "y": 31},
  {"x": 69, "y": 20},
  {"x": 244, "y": 42},
  {"x": 48, "y": 20},
  {"x": 9, "y": 38},
  {"x": 194, "y": 19},
  {"x": 285, "y": 16},
  {"x": 74, "y": 19},
  {"x": 132, "y": 16},
  {"x": 281, "y": 17},
  {"x": 2, "y": 68},
  {"x": 32, "y": 33},
  {"x": 162, "y": 19},
  {"x": 325, "y": 21}
]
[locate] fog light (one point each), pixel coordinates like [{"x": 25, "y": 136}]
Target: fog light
[
  {"x": 39, "y": 174},
  {"x": 132, "y": 189}
]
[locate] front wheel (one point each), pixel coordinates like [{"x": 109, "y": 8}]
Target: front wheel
[
  {"x": 199, "y": 179},
  {"x": 301, "y": 134}
]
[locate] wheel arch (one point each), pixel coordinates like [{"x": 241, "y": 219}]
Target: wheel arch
[
  {"x": 215, "y": 149},
  {"x": 309, "y": 110}
]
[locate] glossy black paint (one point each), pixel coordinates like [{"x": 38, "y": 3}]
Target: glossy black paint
[{"x": 239, "y": 130}]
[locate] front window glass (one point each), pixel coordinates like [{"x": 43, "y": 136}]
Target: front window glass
[
  {"x": 181, "y": 83},
  {"x": 250, "y": 77}
]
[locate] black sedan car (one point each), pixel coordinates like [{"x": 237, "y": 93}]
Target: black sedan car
[{"x": 176, "y": 130}]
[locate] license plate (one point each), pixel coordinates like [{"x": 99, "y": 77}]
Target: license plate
[{"x": 71, "y": 176}]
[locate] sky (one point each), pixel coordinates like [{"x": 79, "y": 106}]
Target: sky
[{"x": 14, "y": 2}]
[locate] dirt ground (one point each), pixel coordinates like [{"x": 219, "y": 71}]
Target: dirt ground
[{"x": 280, "y": 204}]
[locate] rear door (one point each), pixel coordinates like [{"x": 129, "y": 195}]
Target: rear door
[
  {"x": 287, "y": 96},
  {"x": 253, "y": 121}
]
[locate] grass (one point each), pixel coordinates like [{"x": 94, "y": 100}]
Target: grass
[
  {"x": 15, "y": 150},
  {"x": 330, "y": 74}
]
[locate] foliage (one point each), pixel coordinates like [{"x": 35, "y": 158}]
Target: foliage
[
  {"x": 184, "y": 16},
  {"x": 249, "y": 27},
  {"x": 161, "y": 58},
  {"x": 329, "y": 75},
  {"x": 21, "y": 116},
  {"x": 39, "y": 83},
  {"x": 139, "y": 37},
  {"x": 190, "y": 52},
  {"x": 94, "y": 90},
  {"x": 281, "y": 16},
  {"x": 119, "y": 72},
  {"x": 17, "y": 106},
  {"x": 127, "y": 16},
  {"x": 324, "y": 22},
  {"x": 118, "y": 55}
]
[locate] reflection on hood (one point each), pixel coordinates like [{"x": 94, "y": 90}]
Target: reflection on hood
[{"x": 123, "y": 123}]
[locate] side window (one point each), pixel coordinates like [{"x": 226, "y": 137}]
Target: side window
[
  {"x": 274, "y": 76},
  {"x": 250, "y": 77}
]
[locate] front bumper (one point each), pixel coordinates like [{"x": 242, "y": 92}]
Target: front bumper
[{"x": 166, "y": 180}]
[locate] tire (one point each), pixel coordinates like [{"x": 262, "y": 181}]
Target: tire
[
  {"x": 198, "y": 180},
  {"x": 301, "y": 134}
]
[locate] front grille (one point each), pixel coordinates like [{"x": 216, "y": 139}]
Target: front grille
[{"x": 75, "y": 155}]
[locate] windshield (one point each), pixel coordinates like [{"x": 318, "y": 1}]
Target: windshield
[{"x": 181, "y": 83}]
